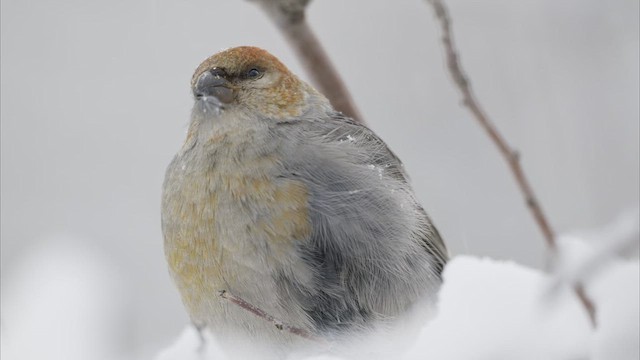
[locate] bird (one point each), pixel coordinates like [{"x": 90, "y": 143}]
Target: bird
[{"x": 282, "y": 201}]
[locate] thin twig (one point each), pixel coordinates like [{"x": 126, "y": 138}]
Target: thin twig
[
  {"x": 263, "y": 314},
  {"x": 289, "y": 17},
  {"x": 510, "y": 155}
]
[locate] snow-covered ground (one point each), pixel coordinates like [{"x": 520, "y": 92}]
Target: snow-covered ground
[{"x": 59, "y": 306}]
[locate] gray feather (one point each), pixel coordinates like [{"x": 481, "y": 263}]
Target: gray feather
[{"x": 373, "y": 250}]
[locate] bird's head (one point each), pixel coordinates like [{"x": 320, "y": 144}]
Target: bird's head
[{"x": 249, "y": 80}]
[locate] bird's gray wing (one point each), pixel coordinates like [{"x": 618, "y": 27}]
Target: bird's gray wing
[{"x": 369, "y": 235}]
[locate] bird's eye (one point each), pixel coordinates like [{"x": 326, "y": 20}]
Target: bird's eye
[{"x": 253, "y": 73}]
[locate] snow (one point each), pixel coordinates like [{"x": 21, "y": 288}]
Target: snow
[
  {"x": 493, "y": 310},
  {"x": 617, "y": 295},
  {"x": 490, "y": 309},
  {"x": 188, "y": 347},
  {"x": 60, "y": 304}
]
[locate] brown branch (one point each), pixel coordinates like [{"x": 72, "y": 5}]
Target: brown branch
[
  {"x": 261, "y": 313},
  {"x": 289, "y": 17},
  {"x": 510, "y": 155}
]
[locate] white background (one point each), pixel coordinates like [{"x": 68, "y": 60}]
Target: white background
[{"x": 95, "y": 101}]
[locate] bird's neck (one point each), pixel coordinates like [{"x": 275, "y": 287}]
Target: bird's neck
[{"x": 227, "y": 134}]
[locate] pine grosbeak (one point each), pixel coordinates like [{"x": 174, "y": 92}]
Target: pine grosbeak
[{"x": 282, "y": 201}]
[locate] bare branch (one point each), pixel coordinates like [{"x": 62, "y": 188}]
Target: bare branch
[
  {"x": 261, "y": 313},
  {"x": 510, "y": 155},
  {"x": 289, "y": 17}
]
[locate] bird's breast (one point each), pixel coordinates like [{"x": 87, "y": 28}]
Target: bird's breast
[{"x": 230, "y": 225}]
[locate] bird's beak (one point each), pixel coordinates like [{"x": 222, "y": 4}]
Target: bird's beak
[{"x": 210, "y": 85}]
